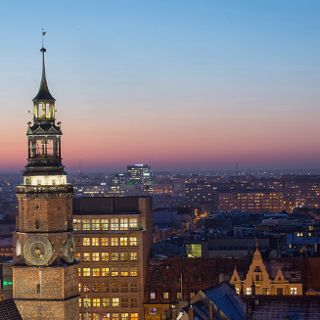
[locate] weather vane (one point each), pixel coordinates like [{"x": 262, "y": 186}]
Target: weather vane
[{"x": 43, "y": 34}]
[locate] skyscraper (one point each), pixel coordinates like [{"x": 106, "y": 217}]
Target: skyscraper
[
  {"x": 140, "y": 174},
  {"x": 45, "y": 271}
]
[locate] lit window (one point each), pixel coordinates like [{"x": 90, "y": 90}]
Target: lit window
[
  {"x": 133, "y": 241},
  {"x": 115, "y": 316},
  {"x": 124, "y": 256},
  {"x": 124, "y": 316},
  {"x": 76, "y": 224},
  {"x": 133, "y": 223},
  {"x": 248, "y": 291},
  {"x": 133, "y": 256},
  {"x": 86, "y": 256},
  {"x": 85, "y": 287},
  {"x": 114, "y": 272},
  {"x": 95, "y": 256},
  {"x": 124, "y": 224},
  {"x": 179, "y": 296},
  {"x": 133, "y": 272},
  {"x": 124, "y": 272},
  {"x": 134, "y": 316},
  {"x": 85, "y": 224},
  {"x": 79, "y": 272},
  {"x": 104, "y": 256},
  {"x": 95, "y": 242},
  {"x": 114, "y": 242},
  {"x": 153, "y": 311},
  {"x": 104, "y": 224},
  {"x": 115, "y": 302},
  {"x": 96, "y": 302},
  {"x": 105, "y": 272},
  {"x": 105, "y": 302},
  {"x": 152, "y": 295},
  {"x": 106, "y": 316},
  {"x": 123, "y": 241},
  {"x": 114, "y": 256},
  {"x": 104, "y": 242},
  {"x": 166, "y": 295},
  {"x": 96, "y": 272},
  {"x": 293, "y": 291},
  {"x": 87, "y": 302},
  {"x": 114, "y": 225},
  {"x": 86, "y": 272},
  {"x": 95, "y": 224},
  {"x": 86, "y": 242}
]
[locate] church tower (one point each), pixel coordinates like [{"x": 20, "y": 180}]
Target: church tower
[{"x": 45, "y": 280}]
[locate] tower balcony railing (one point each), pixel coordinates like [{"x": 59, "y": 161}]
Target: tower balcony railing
[{"x": 44, "y": 189}]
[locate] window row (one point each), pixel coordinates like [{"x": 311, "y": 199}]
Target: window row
[
  {"x": 107, "y": 256},
  {"x": 107, "y": 272},
  {"x": 106, "y": 287},
  {"x": 108, "y": 302},
  {"x": 166, "y": 295},
  {"x": 113, "y": 242},
  {"x": 108, "y": 316},
  {"x": 113, "y": 224}
]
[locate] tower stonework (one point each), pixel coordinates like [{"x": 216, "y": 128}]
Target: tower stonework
[{"x": 45, "y": 279}]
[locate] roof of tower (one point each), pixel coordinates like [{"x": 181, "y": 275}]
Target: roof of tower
[{"x": 43, "y": 93}]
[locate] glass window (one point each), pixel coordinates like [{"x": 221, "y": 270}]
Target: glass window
[
  {"x": 95, "y": 224},
  {"x": 134, "y": 316},
  {"x": 124, "y": 224},
  {"x": 124, "y": 302},
  {"x": 134, "y": 302},
  {"x": 76, "y": 224},
  {"x": 133, "y": 223},
  {"x": 114, "y": 225},
  {"x": 115, "y": 316},
  {"x": 105, "y": 302},
  {"x": 104, "y": 242},
  {"x": 85, "y": 287},
  {"x": 248, "y": 291},
  {"x": 134, "y": 287},
  {"x": 96, "y": 272},
  {"x": 106, "y": 316},
  {"x": 114, "y": 242},
  {"x": 95, "y": 242},
  {"x": 104, "y": 224},
  {"x": 124, "y": 256},
  {"x": 114, "y": 256},
  {"x": 133, "y": 256},
  {"x": 124, "y": 316},
  {"x": 133, "y": 241},
  {"x": 86, "y": 224},
  {"x": 115, "y": 302},
  {"x": 124, "y": 287},
  {"x": 96, "y": 302},
  {"x": 114, "y": 272},
  {"x": 87, "y": 302},
  {"x": 86, "y": 256},
  {"x": 166, "y": 295},
  {"x": 293, "y": 291},
  {"x": 105, "y": 272},
  {"x": 123, "y": 241},
  {"x": 86, "y": 242},
  {"x": 104, "y": 256},
  {"x": 124, "y": 272},
  {"x": 95, "y": 256},
  {"x": 133, "y": 272},
  {"x": 86, "y": 272},
  {"x": 179, "y": 296}
]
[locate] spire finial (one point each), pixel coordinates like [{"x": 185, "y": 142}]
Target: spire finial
[{"x": 43, "y": 33}]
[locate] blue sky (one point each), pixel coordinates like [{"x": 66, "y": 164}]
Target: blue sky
[{"x": 197, "y": 84}]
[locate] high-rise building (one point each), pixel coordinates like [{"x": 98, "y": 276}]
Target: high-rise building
[
  {"x": 140, "y": 174},
  {"x": 113, "y": 240},
  {"x": 45, "y": 280}
]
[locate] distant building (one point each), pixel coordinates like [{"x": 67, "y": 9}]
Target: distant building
[
  {"x": 113, "y": 240},
  {"x": 251, "y": 201},
  {"x": 258, "y": 281},
  {"x": 140, "y": 174}
]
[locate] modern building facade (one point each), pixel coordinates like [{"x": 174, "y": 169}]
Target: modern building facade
[
  {"x": 45, "y": 280},
  {"x": 113, "y": 240}
]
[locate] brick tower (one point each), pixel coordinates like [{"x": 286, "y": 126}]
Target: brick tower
[{"x": 45, "y": 281}]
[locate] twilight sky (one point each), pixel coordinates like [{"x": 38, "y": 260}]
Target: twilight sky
[{"x": 174, "y": 83}]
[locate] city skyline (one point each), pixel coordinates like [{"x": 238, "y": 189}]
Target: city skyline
[{"x": 175, "y": 85}]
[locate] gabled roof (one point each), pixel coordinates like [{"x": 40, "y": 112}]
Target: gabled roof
[{"x": 9, "y": 311}]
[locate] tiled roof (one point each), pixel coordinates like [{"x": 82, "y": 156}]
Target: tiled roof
[{"x": 9, "y": 311}]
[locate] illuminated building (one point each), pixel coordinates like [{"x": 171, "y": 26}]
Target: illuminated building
[
  {"x": 45, "y": 280},
  {"x": 251, "y": 201},
  {"x": 259, "y": 282},
  {"x": 140, "y": 174},
  {"x": 113, "y": 237},
  {"x": 119, "y": 184}
]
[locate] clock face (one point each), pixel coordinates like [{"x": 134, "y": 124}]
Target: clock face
[
  {"x": 38, "y": 250},
  {"x": 69, "y": 249}
]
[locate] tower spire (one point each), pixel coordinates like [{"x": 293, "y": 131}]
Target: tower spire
[{"x": 43, "y": 93}]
